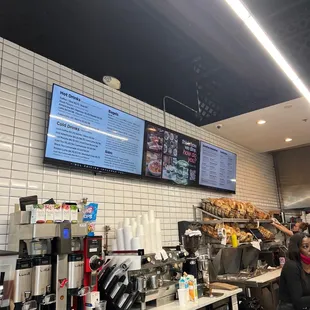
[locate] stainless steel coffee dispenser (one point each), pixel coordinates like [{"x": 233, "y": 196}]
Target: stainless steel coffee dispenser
[
  {"x": 75, "y": 273},
  {"x": 22, "y": 283},
  {"x": 48, "y": 245},
  {"x": 76, "y": 291},
  {"x": 41, "y": 278}
]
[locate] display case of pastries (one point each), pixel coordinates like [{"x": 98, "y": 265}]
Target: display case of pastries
[
  {"x": 212, "y": 231},
  {"x": 267, "y": 234},
  {"x": 230, "y": 208}
]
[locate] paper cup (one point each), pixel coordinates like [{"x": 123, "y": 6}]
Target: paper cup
[{"x": 183, "y": 296}]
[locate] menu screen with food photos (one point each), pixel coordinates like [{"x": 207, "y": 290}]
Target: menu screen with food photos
[
  {"x": 170, "y": 156},
  {"x": 84, "y": 133},
  {"x": 217, "y": 168}
]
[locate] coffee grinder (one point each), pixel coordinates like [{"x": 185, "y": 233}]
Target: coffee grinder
[{"x": 191, "y": 245}]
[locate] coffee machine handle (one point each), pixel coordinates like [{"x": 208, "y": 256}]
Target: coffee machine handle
[
  {"x": 27, "y": 295},
  {"x": 1, "y": 294},
  {"x": 30, "y": 305},
  {"x": 48, "y": 289}
]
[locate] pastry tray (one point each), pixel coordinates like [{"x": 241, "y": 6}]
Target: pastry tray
[{"x": 217, "y": 219}]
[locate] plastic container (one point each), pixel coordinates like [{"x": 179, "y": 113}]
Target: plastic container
[
  {"x": 192, "y": 290},
  {"x": 73, "y": 214},
  {"x": 183, "y": 296},
  {"x": 37, "y": 214},
  {"x": 49, "y": 213},
  {"x": 57, "y": 213},
  {"x": 66, "y": 215}
]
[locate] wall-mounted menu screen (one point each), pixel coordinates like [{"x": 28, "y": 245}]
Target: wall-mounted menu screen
[
  {"x": 217, "y": 168},
  {"x": 170, "y": 156},
  {"x": 85, "y": 133}
]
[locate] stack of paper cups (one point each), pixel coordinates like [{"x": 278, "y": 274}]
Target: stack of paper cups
[
  {"x": 135, "y": 243},
  {"x": 153, "y": 237},
  {"x": 114, "y": 245},
  {"x": 159, "y": 245},
  {"x": 139, "y": 219},
  {"x": 151, "y": 216},
  {"x": 126, "y": 222},
  {"x": 120, "y": 239},
  {"x": 133, "y": 226},
  {"x": 145, "y": 218},
  {"x": 127, "y": 237},
  {"x": 140, "y": 234},
  {"x": 145, "y": 223}
]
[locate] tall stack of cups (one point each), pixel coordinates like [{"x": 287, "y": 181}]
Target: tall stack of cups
[{"x": 142, "y": 232}]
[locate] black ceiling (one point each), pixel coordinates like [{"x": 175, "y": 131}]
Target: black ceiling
[{"x": 197, "y": 52}]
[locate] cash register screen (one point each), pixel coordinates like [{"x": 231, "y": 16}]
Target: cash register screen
[{"x": 66, "y": 233}]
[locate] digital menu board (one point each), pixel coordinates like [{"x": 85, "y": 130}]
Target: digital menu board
[
  {"x": 170, "y": 156},
  {"x": 85, "y": 133},
  {"x": 217, "y": 168}
]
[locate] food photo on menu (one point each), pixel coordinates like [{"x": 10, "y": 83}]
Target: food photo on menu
[
  {"x": 186, "y": 166},
  {"x": 170, "y": 156},
  {"x": 169, "y": 167},
  {"x": 154, "y": 147},
  {"x": 170, "y": 144}
]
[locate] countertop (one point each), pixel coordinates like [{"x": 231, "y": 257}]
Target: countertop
[
  {"x": 269, "y": 276},
  {"x": 202, "y": 302}
]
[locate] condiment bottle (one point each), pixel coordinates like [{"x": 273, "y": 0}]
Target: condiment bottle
[{"x": 234, "y": 241}]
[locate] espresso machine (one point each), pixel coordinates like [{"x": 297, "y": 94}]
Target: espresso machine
[
  {"x": 151, "y": 279},
  {"x": 7, "y": 273},
  {"x": 191, "y": 245}
]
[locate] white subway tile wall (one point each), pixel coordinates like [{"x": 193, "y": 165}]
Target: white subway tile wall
[{"x": 26, "y": 82}]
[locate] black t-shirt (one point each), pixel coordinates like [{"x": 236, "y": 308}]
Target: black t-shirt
[{"x": 295, "y": 285}]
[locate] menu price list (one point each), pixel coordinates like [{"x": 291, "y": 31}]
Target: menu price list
[
  {"x": 170, "y": 156},
  {"x": 217, "y": 167},
  {"x": 92, "y": 135}
]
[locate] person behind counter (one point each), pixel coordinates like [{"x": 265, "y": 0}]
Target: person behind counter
[
  {"x": 297, "y": 228},
  {"x": 294, "y": 291}
]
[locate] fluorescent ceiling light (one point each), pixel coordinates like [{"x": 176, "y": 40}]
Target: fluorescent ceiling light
[
  {"x": 261, "y": 122},
  {"x": 262, "y": 37},
  {"x": 288, "y": 139}
]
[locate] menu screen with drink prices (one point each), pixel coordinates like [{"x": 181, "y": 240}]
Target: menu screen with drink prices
[
  {"x": 170, "y": 156},
  {"x": 85, "y": 133}
]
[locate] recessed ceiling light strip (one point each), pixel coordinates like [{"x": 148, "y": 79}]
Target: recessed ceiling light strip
[{"x": 262, "y": 37}]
